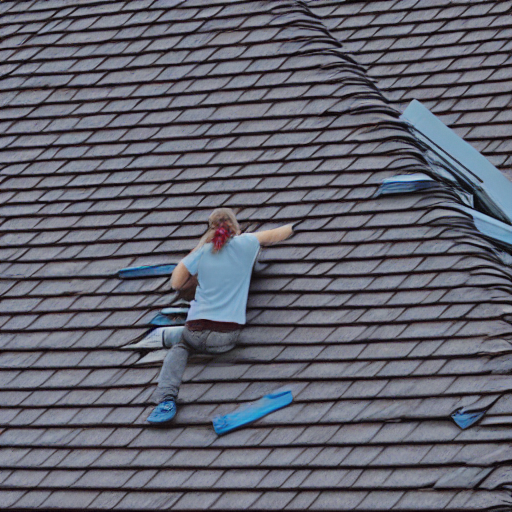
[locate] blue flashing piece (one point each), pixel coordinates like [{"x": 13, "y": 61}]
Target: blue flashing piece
[
  {"x": 252, "y": 412},
  {"x": 174, "y": 311},
  {"x": 163, "y": 320},
  {"x": 146, "y": 271},
  {"x": 492, "y": 188},
  {"x": 406, "y": 183},
  {"x": 491, "y": 227},
  {"x": 465, "y": 419}
]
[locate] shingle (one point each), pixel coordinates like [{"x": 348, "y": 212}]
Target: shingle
[
  {"x": 79, "y": 457},
  {"x": 33, "y": 499},
  {"x": 111, "y": 478},
  {"x": 108, "y": 499},
  {"x": 236, "y": 499},
  {"x": 9, "y": 498},
  {"x": 427, "y": 499},
  {"x": 25, "y": 478},
  {"x": 148, "y": 500},
  {"x": 196, "y": 500}
]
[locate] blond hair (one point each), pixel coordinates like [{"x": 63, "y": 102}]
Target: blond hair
[{"x": 220, "y": 217}]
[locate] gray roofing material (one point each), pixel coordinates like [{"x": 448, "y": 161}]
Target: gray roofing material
[
  {"x": 455, "y": 57},
  {"x": 123, "y": 125}
]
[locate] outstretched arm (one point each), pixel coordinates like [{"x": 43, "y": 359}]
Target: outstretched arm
[
  {"x": 272, "y": 236},
  {"x": 181, "y": 276}
]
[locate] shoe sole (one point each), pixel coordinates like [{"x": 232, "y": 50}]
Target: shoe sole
[{"x": 160, "y": 424}]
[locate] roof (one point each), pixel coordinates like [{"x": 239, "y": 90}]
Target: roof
[
  {"x": 455, "y": 57},
  {"x": 123, "y": 125}
]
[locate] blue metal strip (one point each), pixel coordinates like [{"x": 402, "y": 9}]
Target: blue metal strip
[
  {"x": 491, "y": 227},
  {"x": 163, "y": 320},
  {"x": 146, "y": 271},
  {"x": 489, "y": 184},
  {"x": 174, "y": 311},
  {"x": 465, "y": 419},
  {"x": 406, "y": 183},
  {"x": 252, "y": 412}
]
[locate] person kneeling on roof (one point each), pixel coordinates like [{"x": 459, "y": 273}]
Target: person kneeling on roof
[{"x": 223, "y": 262}]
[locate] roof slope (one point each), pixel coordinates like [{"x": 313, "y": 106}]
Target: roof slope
[
  {"x": 123, "y": 125},
  {"x": 455, "y": 57}
]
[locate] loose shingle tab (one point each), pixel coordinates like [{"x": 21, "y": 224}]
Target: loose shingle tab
[
  {"x": 453, "y": 58},
  {"x": 124, "y": 124}
]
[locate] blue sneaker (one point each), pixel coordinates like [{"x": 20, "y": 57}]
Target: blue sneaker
[{"x": 163, "y": 413}]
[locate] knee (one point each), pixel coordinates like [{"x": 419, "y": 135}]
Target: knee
[
  {"x": 172, "y": 336},
  {"x": 182, "y": 347}
]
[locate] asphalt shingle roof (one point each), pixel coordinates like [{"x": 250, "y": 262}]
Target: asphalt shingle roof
[
  {"x": 123, "y": 124},
  {"x": 455, "y": 57}
]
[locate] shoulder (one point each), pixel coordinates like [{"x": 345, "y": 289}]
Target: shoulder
[
  {"x": 205, "y": 250},
  {"x": 247, "y": 239},
  {"x": 246, "y": 242},
  {"x": 202, "y": 250},
  {"x": 191, "y": 261}
]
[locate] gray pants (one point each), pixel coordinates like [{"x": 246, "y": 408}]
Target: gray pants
[{"x": 175, "y": 362}]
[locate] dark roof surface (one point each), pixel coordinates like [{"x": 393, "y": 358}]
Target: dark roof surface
[
  {"x": 455, "y": 57},
  {"x": 123, "y": 125}
]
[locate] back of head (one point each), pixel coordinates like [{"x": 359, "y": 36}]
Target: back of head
[{"x": 222, "y": 225}]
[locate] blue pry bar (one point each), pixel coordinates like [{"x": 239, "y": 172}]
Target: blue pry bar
[
  {"x": 252, "y": 412},
  {"x": 146, "y": 271}
]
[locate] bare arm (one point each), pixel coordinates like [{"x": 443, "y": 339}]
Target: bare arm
[
  {"x": 272, "y": 236},
  {"x": 180, "y": 276}
]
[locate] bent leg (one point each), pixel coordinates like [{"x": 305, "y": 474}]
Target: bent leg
[
  {"x": 172, "y": 371},
  {"x": 175, "y": 361}
]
